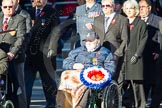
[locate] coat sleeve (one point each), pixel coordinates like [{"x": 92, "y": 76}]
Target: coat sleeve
[
  {"x": 3, "y": 62},
  {"x": 142, "y": 40},
  {"x": 160, "y": 38},
  {"x": 124, "y": 37},
  {"x": 20, "y": 33},
  {"x": 70, "y": 60},
  {"x": 55, "y": 33},
  {"x": 109, "y": 63}
]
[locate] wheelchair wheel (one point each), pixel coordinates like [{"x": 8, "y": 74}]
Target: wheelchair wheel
[
  {"x": 111, "y": 97},
  {"x": 8, "y": 104}
]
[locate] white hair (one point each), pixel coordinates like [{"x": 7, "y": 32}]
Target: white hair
[
  {"x": 133, "y": 3},
  {"x": 112, "y": 1}
]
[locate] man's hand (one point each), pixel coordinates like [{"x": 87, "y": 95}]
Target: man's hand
[
  {"x": 10, "y": 56},
  {"x": 78, "y": 66},
  {"x": 134, "y": 59},
  {"x": 155, "y": 55},
  {"x": 50, "y": 53},
  {"x": 115, "y": 57},
  {"x": 89, "y": 26}
]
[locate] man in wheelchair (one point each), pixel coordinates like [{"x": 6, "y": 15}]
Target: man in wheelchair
[{"x": 75, "y": 92}]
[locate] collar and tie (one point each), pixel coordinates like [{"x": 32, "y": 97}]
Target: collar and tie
[
  {"x": 144, "y": 19},
  {"x": 38, "y": 11},
  {"x": 106, "y": 23},
  {"x": 4, "y": 27}
]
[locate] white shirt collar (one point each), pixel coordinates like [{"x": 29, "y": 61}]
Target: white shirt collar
[
  {"x": 89, "y": 5},
  {"x": 7, "y": 19}
]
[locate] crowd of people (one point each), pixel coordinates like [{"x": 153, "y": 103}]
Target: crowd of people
[{"x": 124, "y": 35}]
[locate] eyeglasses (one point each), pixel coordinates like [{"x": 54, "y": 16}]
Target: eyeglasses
[
  {"x": 107, "y": 6},
  {"x": 143, "y": 6},
  {"x": 7, "y": 6},
  {"x": 131, "y": 8},
  {"x": 89, "y": 40}
]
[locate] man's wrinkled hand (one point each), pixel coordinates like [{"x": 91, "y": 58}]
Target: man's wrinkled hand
[
  {"x": 50, "y": 53},
  {"x": 134, "y": 59},
  {"x": 115, "y": 57},
  {"x": 10, "y": 56},
  {"x": 78, "y": 66},
  {"x": 89, "y": 26}
]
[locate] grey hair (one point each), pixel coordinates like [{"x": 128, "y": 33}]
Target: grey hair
[
  {"x": 112, "y": 1},
  {"x": 133, "y": 3}
]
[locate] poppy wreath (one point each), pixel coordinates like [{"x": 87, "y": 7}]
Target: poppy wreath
[{"x": 95, "y": 77}]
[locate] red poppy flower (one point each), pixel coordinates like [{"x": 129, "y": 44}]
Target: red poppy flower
[
  {"x": 96, "y": 75},
  {"x": 131, "y": 27},
  {"x": 5, "y": 26},
  {"x": 42, "y": 14},
  {"x": 113, "y": 21}
]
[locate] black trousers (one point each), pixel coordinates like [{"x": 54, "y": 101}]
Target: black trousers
[
  {"x": 157, "y": 96},
  {"x": 46, "y": 68}
]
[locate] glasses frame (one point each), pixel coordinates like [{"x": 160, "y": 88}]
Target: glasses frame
[
  {"x": 107, "y": 6},
  {"x": 5, "y": 7},
  {"x": 143, "y": 7}
]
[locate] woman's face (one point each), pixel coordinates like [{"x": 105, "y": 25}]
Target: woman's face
[{"x": 130, "y": 11}]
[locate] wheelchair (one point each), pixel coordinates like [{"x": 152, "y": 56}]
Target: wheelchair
[
  {"x": 4, "y": 103},
  {"x": 108, "y": 97}
]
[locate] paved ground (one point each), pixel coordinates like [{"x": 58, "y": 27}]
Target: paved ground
[{"x": 38, "y": 99}]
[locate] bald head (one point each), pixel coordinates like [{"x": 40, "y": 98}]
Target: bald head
[{"x": 8, "y": 8}]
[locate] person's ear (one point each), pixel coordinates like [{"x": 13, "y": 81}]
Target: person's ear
[{"x": 150, "y": 8}]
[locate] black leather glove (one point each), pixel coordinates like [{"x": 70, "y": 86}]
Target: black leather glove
[{"x": 134, "y": 59}]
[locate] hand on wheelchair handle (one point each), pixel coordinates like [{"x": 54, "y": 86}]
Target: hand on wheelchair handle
[{"x": 134, "y": 59}]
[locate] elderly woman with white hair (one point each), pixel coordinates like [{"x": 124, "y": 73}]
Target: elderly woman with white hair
[{"x": 133, "y": 58}]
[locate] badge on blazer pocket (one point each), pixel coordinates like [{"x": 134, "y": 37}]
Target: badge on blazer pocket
[{"x": 13, "y": 32}]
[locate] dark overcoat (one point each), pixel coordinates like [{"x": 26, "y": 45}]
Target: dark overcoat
[
  {"x": 44, "y": 32},
  {"x": 138, "y": 38}
]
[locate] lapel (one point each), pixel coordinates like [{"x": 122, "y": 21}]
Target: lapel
[
  {"x": 1, "y": 21},
  {"x": 101, "y": 27},
  {"x": 134, "y": 23},
  {"x": 150, "y": 19},
  {"x": 102, "y": 23},
  {"x": 32, "y": 13},
  {"x": 112, "y": 22},
  {"x": 83, "y": 9},
  {"x": 10, "y": 22},
  {"x": 45, "y": 10}
]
